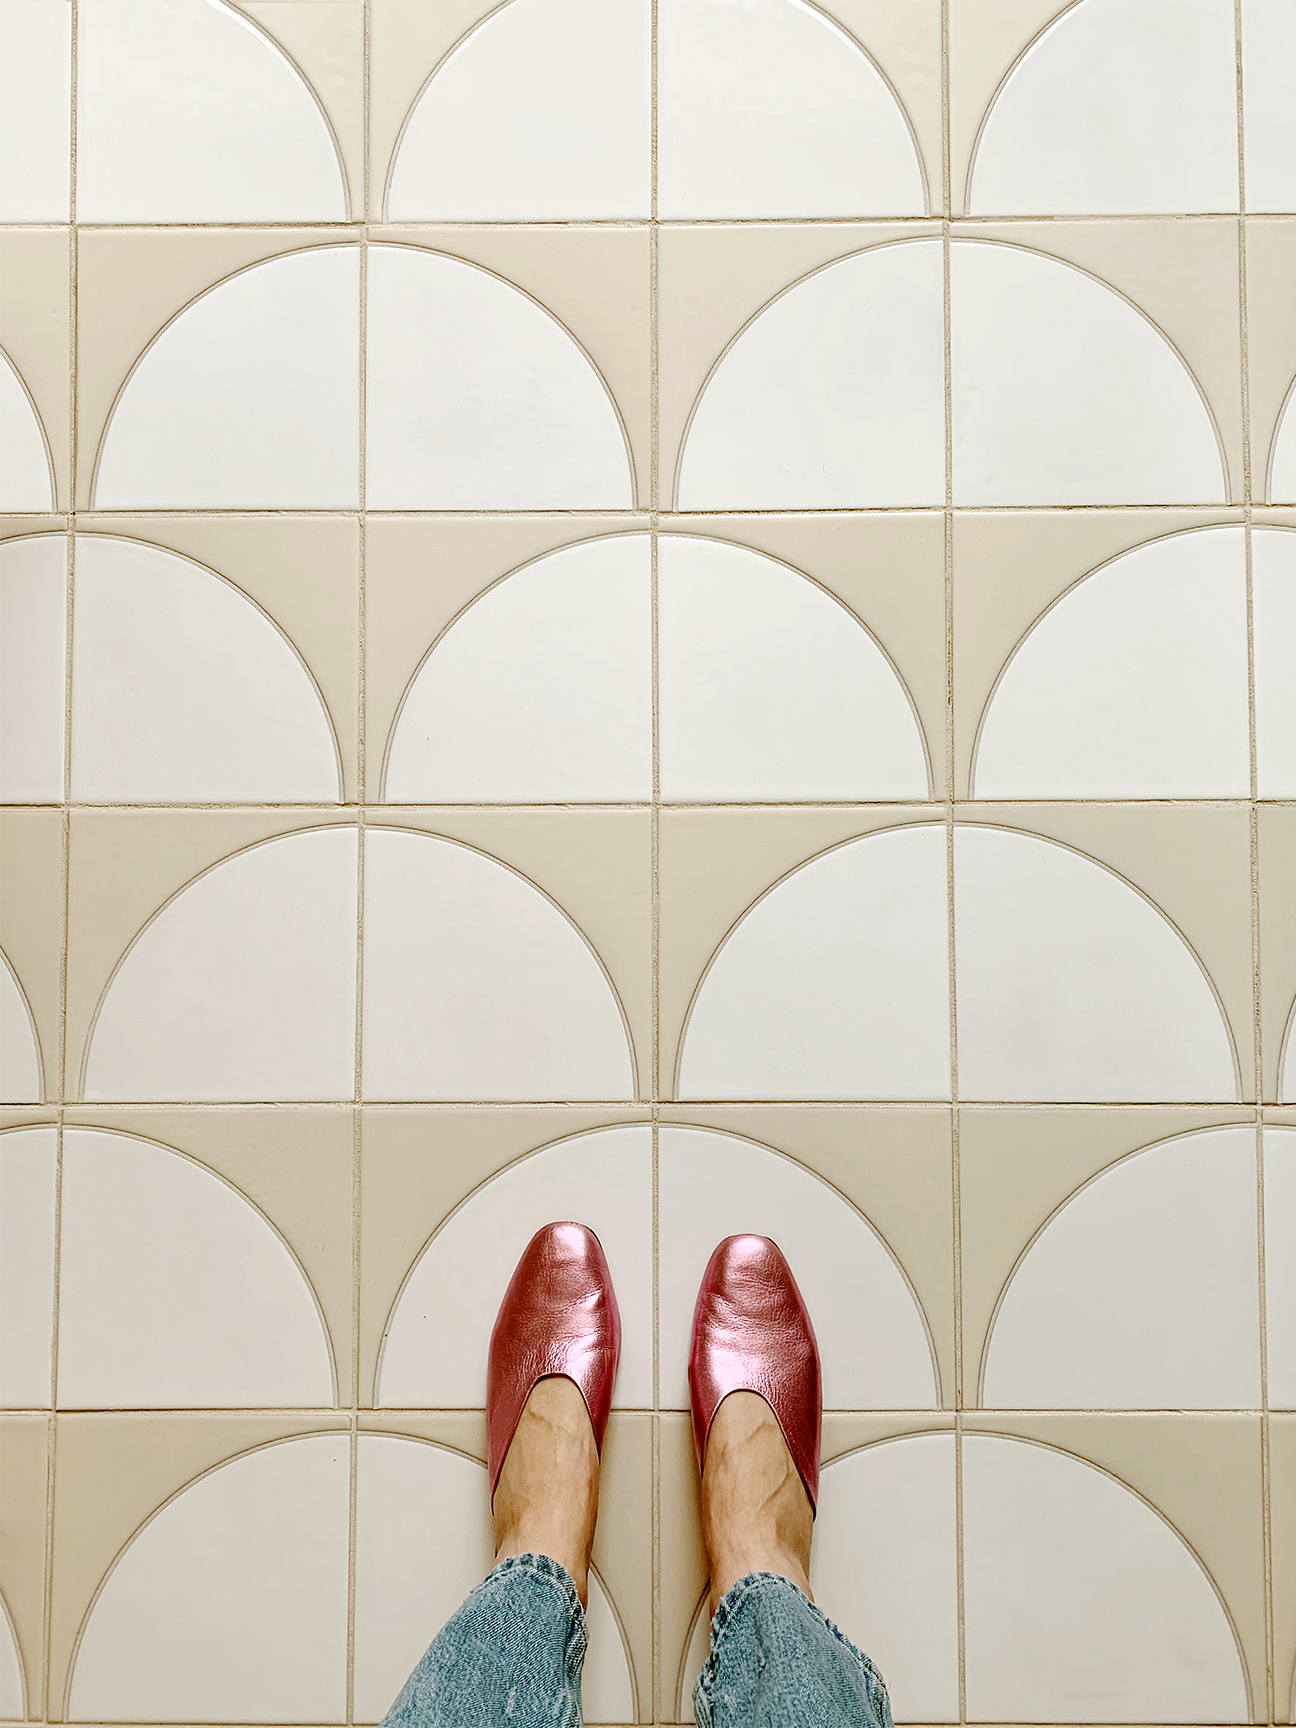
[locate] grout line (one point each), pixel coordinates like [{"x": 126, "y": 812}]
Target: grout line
[
  {"x": 922, "y": 808},
  {"x": 656, "y": 1702}
]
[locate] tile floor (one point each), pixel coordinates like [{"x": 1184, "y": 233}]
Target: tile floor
[{"x": 681, "y": 616}]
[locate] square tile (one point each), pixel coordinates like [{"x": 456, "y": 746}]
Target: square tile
[
  {"x": 24, "y": 1471},
  {"x": 31, "y": 936},
  {"x": 1277, "y": 829},
  {"x": 36, "y": 335},
  {"x": 35, "y": 560},
  {"x": 1271, "y": 341},
  {"x": 1282, "y": 1466}
]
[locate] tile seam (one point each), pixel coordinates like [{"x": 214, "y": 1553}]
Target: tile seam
[{"x": 654, "y": 1704}]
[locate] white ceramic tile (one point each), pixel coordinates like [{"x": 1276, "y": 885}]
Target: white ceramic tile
[
  {"x": 713, "y": 1185},
  {"x": 1269, "y": 121},
  {"x": 771, "y": 109},
  {"x": 539, "y": 691},
  {"x": 770, "y": 689},
  {"x": 231, "y": 1603},
  {"x": 174, "y": 1290},
  {"x": 479, "y": 398},
  {"x": 540, "y": 112},
  {"x": 1282, "y": 457},
  {"x": 33, "y": 626},
  {"x": 35, "y": 109},
  {"x": 477, "y": 985},
  {"x": 184, "y": 690},
  {"x": 833, "y": 395},
  {"x": 1081, "y": 1604},
  {"x": 602, "y": 1179},
  {"x": 1280, "y": 1264},
  {"x": 835, "y": 984},
  {"x": 27, "y": 1174},
  {"x": 243, "y": 985},
  {"x": 13, "y": 1690},
  {"x": 414, "y": 1499},
  {"x": 248, "y": 398},
  {"x": 1133, "y": 684},
  {"x": 1287, "y": 1083},
  {"x": 1120, "y": 106},
  {"x": 20, "y": 1063},
  {"x": 1273, "y": 574},
  {"x": 1074, "y": 987},
  {"x": 1065, "y": 394},
  {"x": 1142, "y": 1290},
  {"x": 26, "y": 474},
  {"x": 188, "y": 112}
]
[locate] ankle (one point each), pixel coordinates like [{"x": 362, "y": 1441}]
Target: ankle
[
  {"x": 546, "y": 1500},
  {"x": 756, "y": 1514}
]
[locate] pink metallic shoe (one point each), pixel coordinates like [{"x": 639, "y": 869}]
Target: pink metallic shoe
[
  {"x": 559, "y": 1316},
  {"x": 752, "y": 1333}
]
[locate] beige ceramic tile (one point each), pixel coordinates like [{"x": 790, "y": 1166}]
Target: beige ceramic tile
[
  {"x": 31, "y": 921},
  {"x": 132, "y": 281},
  {"x": 1009, "y": 566},
  {"x": 713, "y": 865},
  {"x": 903, "y": 39},
  {"x": 295, "y": 1165},
  {"x": 597, "y": 864},
  {"x": 303, "y": 570},
  {"x": 1271, "y": 333},
  {"x": 1015, "y": 1168},
  {"x": 1277, "y": 942},
  {"x": 420, "y": 572},
  {"x": 1282, "y": 1489},
  {"x": 1181, "y": 275},
  {"x": 24, "y": 1467},
  {"x": 985, "y": 43},
  {"x": 124, "y": 865},
  {"x": 889, "y": 568},
  {"x": 595, "y": 282},
  {"x": 893, "y": 1164},
  {"x": 325, "y": 41},
  {"x": 1192, "y": 861},
  {"x": 35, "y": 332},
  {"x": 682, "y": 1563},
  {"x": 712, "y": 280},
  {"x": 1203, "y": 1473}
]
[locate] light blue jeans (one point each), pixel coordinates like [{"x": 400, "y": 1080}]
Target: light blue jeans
[{"x": 511, "y": 1658}]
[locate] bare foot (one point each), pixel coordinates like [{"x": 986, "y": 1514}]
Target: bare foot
[
  {"x": 756, "y": 1514},
  {"x": 546, "y": 1499}
]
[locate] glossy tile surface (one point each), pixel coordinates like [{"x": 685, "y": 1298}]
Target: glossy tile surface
[{"x": 677, "y": 615}]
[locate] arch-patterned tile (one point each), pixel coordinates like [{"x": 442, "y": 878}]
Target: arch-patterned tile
[
  {"x": 1117, "y": 107},
  {"x": 1280, "y": 1263},
  {"x": 13, "y": 1680},
  {"x": 1271, "y": 350},
  {"x": 185, "y": 691},
  {"x": 1277, "y": 832},
  {"x": 33, "y": 652},
  {"x": 539, "y": 691},
  {"x": 1282, "y": 455},
  {"x": 35, "y": 142},
  {"x": 462, "y": 363},
  {"x": 777, "y": 111},
  {"x": 28, "y": 1159},
  {"x": 22, "y": 1078},
  {"x": 198, "y": 117},
  {"x": 1273, "y": 561},
  {"x": 35, "y": 333},
  {"x": 175, "y": 1290},
  {"x": 539, "y": 112},
  {"x": 1282, "y": 1454},
  {"x": 604, "y": 1179},
  {"x": 24, "y": 1470},
  {"x": 28, "y": 483},
  {"x": 31, "y": 923},
  {"x": 273, "y": 354},
  {"x": 1268, "y": 127},
  {"x": 240, "y": 986}
]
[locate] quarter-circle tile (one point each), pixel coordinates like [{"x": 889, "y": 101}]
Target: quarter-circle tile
[
  {"x": 541, "y": 112},
  {"x": 13, "y": 1679},
  {"x": 772, "y": 110},
  {"x": 1139, "y": 1021},
  {"x": 174, "y": 1290},
  {"x": 1282, "y": 456},
  {"x": 1065, "y": 393},
  {"x": 832, "y": 395},
  {"x": 230, "y": 1602},
  {"x": 185, "y": 691},
  {"x": 414, "y": 1498},
  {"x": 834, "y": 984},
  {"x": 1268, "y": 123},
  {"x": 477, "y": 985},
  {"x": 28, "y": 1160},
  {"x": 1287, "y": 1075},
  {"x": 193, "y": 114},
  {"x": 540, "y": 690},
  {"x": 26, "y": 472},
  {"x": 248, "y": 398},
  {"x": 1273, "y": 577},
  {"x": 1118, "y": 107},
  {"x": 242, "y": 986},
  {"x": 478, "y": 398},
  {"x": 33, "y": 672},
  {"x": 603, "y": 1179},
  {"x": 1142, "y": 1289},
  {"x": 1133, "y": 684},
  {"x": 21, "y": 1079},
  {"x": 1082, "y": 1601},
  {"x": 712, "y": 1185},
  {"x": 769, "y": 688},
  {"x": 1280, "y": 1265}
]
